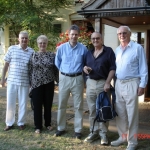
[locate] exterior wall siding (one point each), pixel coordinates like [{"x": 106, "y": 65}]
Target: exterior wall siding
[
  {"x": 110, "y": 37},
  {"x": 65, "y": 16},
  {"x": 123, "y": 4}
]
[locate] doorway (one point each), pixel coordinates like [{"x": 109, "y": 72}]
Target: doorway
[
  {"x": 139, "y": 37},
  {"x": 147, "y": 90}
]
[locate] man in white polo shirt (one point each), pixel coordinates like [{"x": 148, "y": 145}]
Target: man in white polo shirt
[{"x": 17, "y": 59}]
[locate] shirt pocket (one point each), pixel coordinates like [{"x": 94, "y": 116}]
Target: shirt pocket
[
  {"x": 132, "y": 62},
  {"x": 79, "y": 58},
  {"x": 67, "y": 59}
]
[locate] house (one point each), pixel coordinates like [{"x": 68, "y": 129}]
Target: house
[
  {"x": 110, "y": 14},
  {"x": 104, "y": 16},
  {"x": 67, "y": 17}
]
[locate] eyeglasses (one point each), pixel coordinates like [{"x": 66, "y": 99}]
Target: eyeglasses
[
  {"x": 123, "y": 33},
  {"x": 74, "y": 34},
  {"x": 44, "y": 43},
  {"x": 96, "y": 38}
]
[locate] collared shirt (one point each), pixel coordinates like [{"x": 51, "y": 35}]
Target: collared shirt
[
  {"x": 102, "y": 65},
  {"x": 70, "y": 60},
  {"x": 131, "y": 63},
  {"x": 18, "y": 60}
]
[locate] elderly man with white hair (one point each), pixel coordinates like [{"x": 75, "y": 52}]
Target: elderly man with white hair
[
  {"x": 132, "y": 76},
  {"x": 17, "y": 60}
]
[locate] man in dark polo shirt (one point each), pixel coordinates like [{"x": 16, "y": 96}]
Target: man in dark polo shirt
[{"x": 100, "y": 68}]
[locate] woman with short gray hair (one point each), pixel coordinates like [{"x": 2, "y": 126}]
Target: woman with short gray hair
[{"x": 42, "y": 75}]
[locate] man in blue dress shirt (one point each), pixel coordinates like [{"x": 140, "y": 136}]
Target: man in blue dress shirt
[
  {"x": 69, "y": 60},
  {"x": 132, "y": 76}
]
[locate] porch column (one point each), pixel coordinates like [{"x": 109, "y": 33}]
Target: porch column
[{"x": 98, "y": 25}]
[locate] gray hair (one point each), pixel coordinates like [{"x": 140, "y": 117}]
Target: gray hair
[
  {"x": 43, "y": 37},
  {"x": 74, "y": 27},
  {"x": 23, "y": 32},
  {"x": 124, "y": 27}
]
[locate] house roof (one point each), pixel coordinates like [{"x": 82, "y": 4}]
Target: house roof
[
  {"x": 121, "y": 12},
  {"x": 94, "y": 4},
  {"x": 88, "y": 4}
]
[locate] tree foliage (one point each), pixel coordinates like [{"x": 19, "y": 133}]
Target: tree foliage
[{"x": 36, "y": 16}]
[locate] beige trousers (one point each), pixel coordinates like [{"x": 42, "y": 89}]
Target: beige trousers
[
  {"x": 127, "y": 109},
  {"x": 73, "y": 85},
  {"x": 92, "y": 91}
]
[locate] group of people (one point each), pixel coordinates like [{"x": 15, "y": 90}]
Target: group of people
[
  {"x": 100, "y": 65},
  {"x": 34, "y": 70}
]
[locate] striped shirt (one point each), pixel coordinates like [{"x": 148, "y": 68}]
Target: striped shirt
[{"x": 18, "y": 60}]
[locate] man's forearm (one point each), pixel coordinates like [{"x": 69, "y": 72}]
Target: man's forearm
[
  {"x": 110, "y": 76},
  {"x": 4, "y": 71}
]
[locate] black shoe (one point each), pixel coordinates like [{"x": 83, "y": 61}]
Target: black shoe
[
  {"x": 22, "y": 127},
  {"x": 59, "y": 133},
  {"x": 8, "y": 128},
  {"x": 78, "y": 135}
]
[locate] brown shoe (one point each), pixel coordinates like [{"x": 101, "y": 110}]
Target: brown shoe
[
  {"x": 8, "y": 128},
  {"x": 22, "y": 127},
  {"x": 50, "y": 128}
]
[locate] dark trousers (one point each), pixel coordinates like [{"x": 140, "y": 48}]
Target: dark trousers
[{"x": 42, "y": 96}]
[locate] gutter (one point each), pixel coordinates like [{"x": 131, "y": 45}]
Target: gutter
[{"x": 118, "y": 10}]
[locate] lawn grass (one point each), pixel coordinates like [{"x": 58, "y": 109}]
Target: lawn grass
[{"x": 27, "y": 139}]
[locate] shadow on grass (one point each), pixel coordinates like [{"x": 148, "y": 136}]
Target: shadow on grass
[{"x": 27, "y": 139}]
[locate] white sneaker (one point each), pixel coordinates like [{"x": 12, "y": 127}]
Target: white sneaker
[
  {"x": 117, "y": 142},
  {"x": 104, "y": 140},
  {"x": 131, "y": 147},
  {"x": 92, "y": 137}
]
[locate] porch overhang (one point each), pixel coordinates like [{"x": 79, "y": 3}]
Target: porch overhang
[
  {"x": 119, "y": 16},
  {"x": 99, "y": 13}
]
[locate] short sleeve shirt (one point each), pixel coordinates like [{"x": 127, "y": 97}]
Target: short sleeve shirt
[
  {"x": 102, "y": 65},
  {"x": 18, "y": 60}
]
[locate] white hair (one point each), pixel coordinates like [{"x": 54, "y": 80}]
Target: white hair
[
  {"x": 124, "y": 27},
  {"x": 23, "y": 32},
  {"x": 43, "y": 37}
]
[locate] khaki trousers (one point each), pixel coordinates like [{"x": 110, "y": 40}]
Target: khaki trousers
[
  {"x": 127, "y": 109},
  {"x": 94, "y": 87},
  {"x": 73, "y": 85}
]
